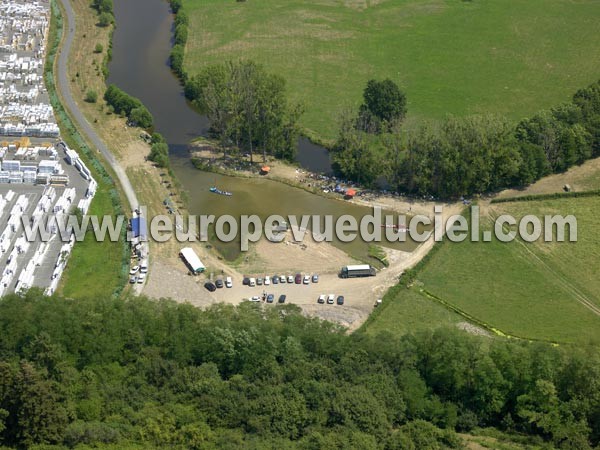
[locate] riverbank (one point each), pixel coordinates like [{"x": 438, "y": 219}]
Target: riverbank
[{"x": 206, "y": 156}]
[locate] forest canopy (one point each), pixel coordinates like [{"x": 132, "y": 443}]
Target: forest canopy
[{"x": 144, "y": 374}]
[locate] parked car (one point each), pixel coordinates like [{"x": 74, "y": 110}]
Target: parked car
[
  {"x": 306, "y": 279},
  {"x": 256, "y": 298},
  {"x": 282, "y": 298},
  {"x": 228, "y": 282},
  {"x": 270, "y": 298},
  {"x": 282, "y": 279},
  {"x": 210, "y": 287},
  {"x": 275, "y": 279},
  {"x": 330, "y": 299},
  {"x": 321, "y": 299},
  {"x": 315, "y": 278},
  {"x": 133, "y": 279},
  {"x": 134, "y": 270},
  {"x": 219, "y": 283},
  {"x": 144, "y": 267},
  {"x": 252, "y": 282},
  {"x": 298, "y": 279},
  {"x": 267, "y": 280},
  {"x": 246, "y": 281},
  {"x": 340, "y": 300},
  {"x": 141, "y": 278},
  {"x": 259, "y": 281},
  {"x": 290, "y": 278}
]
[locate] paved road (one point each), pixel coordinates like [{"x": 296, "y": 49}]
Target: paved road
[{"x": 82, "y": 124}]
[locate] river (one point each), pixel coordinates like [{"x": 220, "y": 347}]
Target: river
[{"x": 141, "y": 47}]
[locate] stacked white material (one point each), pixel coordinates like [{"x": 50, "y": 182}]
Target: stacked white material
[
  {"x": 64, "y": 201},
  {"x": 84, "y": 204},
  {"x": 45, "y": 203},
  {"x": 25, "y": 280},
  {"x": 4, "y": 176},
  {"x": 72, "y": 156},
  {"x": 61, "y": 263},
  {"x": 20, "y": 205},
  {"x": 3, "y": 204},
  {"x": 5, "y": 239},
  {"x": 21, "y": 153},
  {"x": 29, "y": 177},
  {"x": 15, "y": 177},
  {"x": 91, "y": 189},
  {"x": 8, "y": 274},
  {"x": 47, "y": 166},
  {"x": 43, "y": 178},
  {"x": 11, "y": 165},
  {"x": 21, "y": 244}
]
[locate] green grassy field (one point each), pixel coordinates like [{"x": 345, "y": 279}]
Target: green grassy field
[
  {"x": 408, "y": 311},
  {"x": 528, "y": 290},
  {"x": 450, "y": 56},
  {"x": 94, "y": 267}
]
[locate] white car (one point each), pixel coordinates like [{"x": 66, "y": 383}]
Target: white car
[
  {"x": 330, "y": 299},
  {"x": 134, "y": 270},
  {"x": 141, "y": 278},
  {"x": 255, "y": 299},
  {"x": 306, "y": 279},
  {"x": 282, "y": 279},
  {"x": 267, "y": 280},
  {"x": 252, "y": 282},
  {"x": 321, "y": 299},
  {"x": 290, "y": 278},
  {"x": 228, "y": 282}
]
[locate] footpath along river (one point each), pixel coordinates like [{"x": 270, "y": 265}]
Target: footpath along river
[{"x": 141, "y": 46}]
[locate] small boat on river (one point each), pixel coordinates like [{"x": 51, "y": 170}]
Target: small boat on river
[{"x": 216, "y": 190}]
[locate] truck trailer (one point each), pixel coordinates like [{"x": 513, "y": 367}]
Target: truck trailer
[{"x": 362, "y": 270}]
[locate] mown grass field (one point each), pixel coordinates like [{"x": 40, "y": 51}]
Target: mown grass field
[
  {"x": 408, "y": 311},
  {"x": 528, "y": 290},
  {"x": 450, "y": 56}
]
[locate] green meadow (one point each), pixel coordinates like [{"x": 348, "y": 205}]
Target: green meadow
[
  {"x": 454, "y": 57},
  {"x": 531, "y": 290}
]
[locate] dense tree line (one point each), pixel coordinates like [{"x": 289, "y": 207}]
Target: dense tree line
[
  {"x": 143, "y": 374},
  {"x": 180, "y": 39},
  {"x": 247, "y": 107},
  {"x": 464, "y": 156},
  {"x": 127, "y": 105}
]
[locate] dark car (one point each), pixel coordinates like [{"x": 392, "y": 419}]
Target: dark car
[
  {"x": 209, "y": 286},
  {"x": 275, "y": 279},
  {"x": 270, "y": 298},
  {"x": 282, "y": 298},
  {"x": 340, "y": 300},
  {"x": 219, "y": 283},
  {"x": 298, "y": 279},
  {"x": 246, "y": 281}
]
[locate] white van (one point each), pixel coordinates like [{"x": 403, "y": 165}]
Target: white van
[
  {"x": 144, "y": 266},
  {"x": 228, "y": 282},
  {"x": 252, "y": 282}
]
